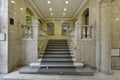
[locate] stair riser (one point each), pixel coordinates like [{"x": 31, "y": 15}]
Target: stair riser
[
  {"x": 57, "y": 50},
  {"x": 57, "y": 57},
  {"x": 56, "y": 61},
  {"x": 57, "y": 43},
  {"x": 56, "y": 54}
]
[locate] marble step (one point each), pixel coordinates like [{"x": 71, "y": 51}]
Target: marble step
[
  {"x": 57, "y": 45},
  {"x": 57, "y": 49},
  {"x": 57, "y": 60},
  {"x": 57, "y": 42},
  {"x": 58, "y": 53},
  {"x": 85, "y": 71},
  {"x": 54, "y": 65},
  {"x": 62, "y": 52},
  {"x": 58, "y": 56}
]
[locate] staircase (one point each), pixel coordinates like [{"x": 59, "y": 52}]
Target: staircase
[{"x": 57, "y": 60}]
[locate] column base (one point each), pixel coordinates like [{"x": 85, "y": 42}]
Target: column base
[{"x": 109, "y": 72}]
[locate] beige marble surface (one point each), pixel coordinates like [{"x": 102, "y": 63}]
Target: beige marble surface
[
  {"x": 115, "y": 24},
  {"x": 15, "y": 33}
]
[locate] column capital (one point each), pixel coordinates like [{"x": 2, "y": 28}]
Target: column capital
[
  {"x": 35, "y": 22},
  {"x": 105, "y": 1},
  {"x": 78, "y": 22}
]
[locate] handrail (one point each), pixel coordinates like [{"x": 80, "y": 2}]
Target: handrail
[
  {"x": 26, "y": 25},
  {"x": 42, "y": 43}
]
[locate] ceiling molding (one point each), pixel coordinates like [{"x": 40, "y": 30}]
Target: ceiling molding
[
  {"x": 57, "y": 18},
  {"x": 34, "y": 6}
]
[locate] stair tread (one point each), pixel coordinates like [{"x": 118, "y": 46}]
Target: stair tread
[
  {"x": 62, "y": 52},
  {"x": 57, "y": 44},
  {"x": 56, "y": 60},
  {"x": 58, "y": 56},
  {"x": 58, "y": 49},
  {"x": 86, "y": 71}
]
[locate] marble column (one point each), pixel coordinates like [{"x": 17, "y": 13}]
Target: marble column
[
  {"x": 35, "y": 29},
  {"x": 106, "y": 36},
  {"x": 98, "y": 40},
  {"x": 4, "y": 66},
  {"x": 77, "y": 40}
]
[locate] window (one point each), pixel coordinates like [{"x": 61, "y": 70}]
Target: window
[
  {"x": 65, "y": 28},
  {"x": 50, "y": 29}
]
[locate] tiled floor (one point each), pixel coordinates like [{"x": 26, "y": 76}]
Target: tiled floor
[{"x": 98, "y": 76}]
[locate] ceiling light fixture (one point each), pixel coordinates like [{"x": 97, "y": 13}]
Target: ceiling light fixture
[
  {"x": 63, "y": 14},
  {"x": 48, "y": 1},
  {"x": 51, "y": 14},
  {"x": 117, "y": 19},
  {"x": 13, "y": 1},
  {"x": 15, "y": 13},
  {"x": 50, "y": 9},
  {"x": 66, "y": 2},
  {"x": 21, "y": 9},
  {"x": 65, "y": 9}
]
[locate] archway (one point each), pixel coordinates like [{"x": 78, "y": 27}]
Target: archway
[
  {"x": 85, "y": 17},
  {"x": 85, "y": 23}
]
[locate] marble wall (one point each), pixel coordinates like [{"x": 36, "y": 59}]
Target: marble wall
[
  {"x": 18, "y": 47},
  {"x": 17, "y": 11},
  {"x": 115, "y": 32},
  {"x": 116, "y": 24}
]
